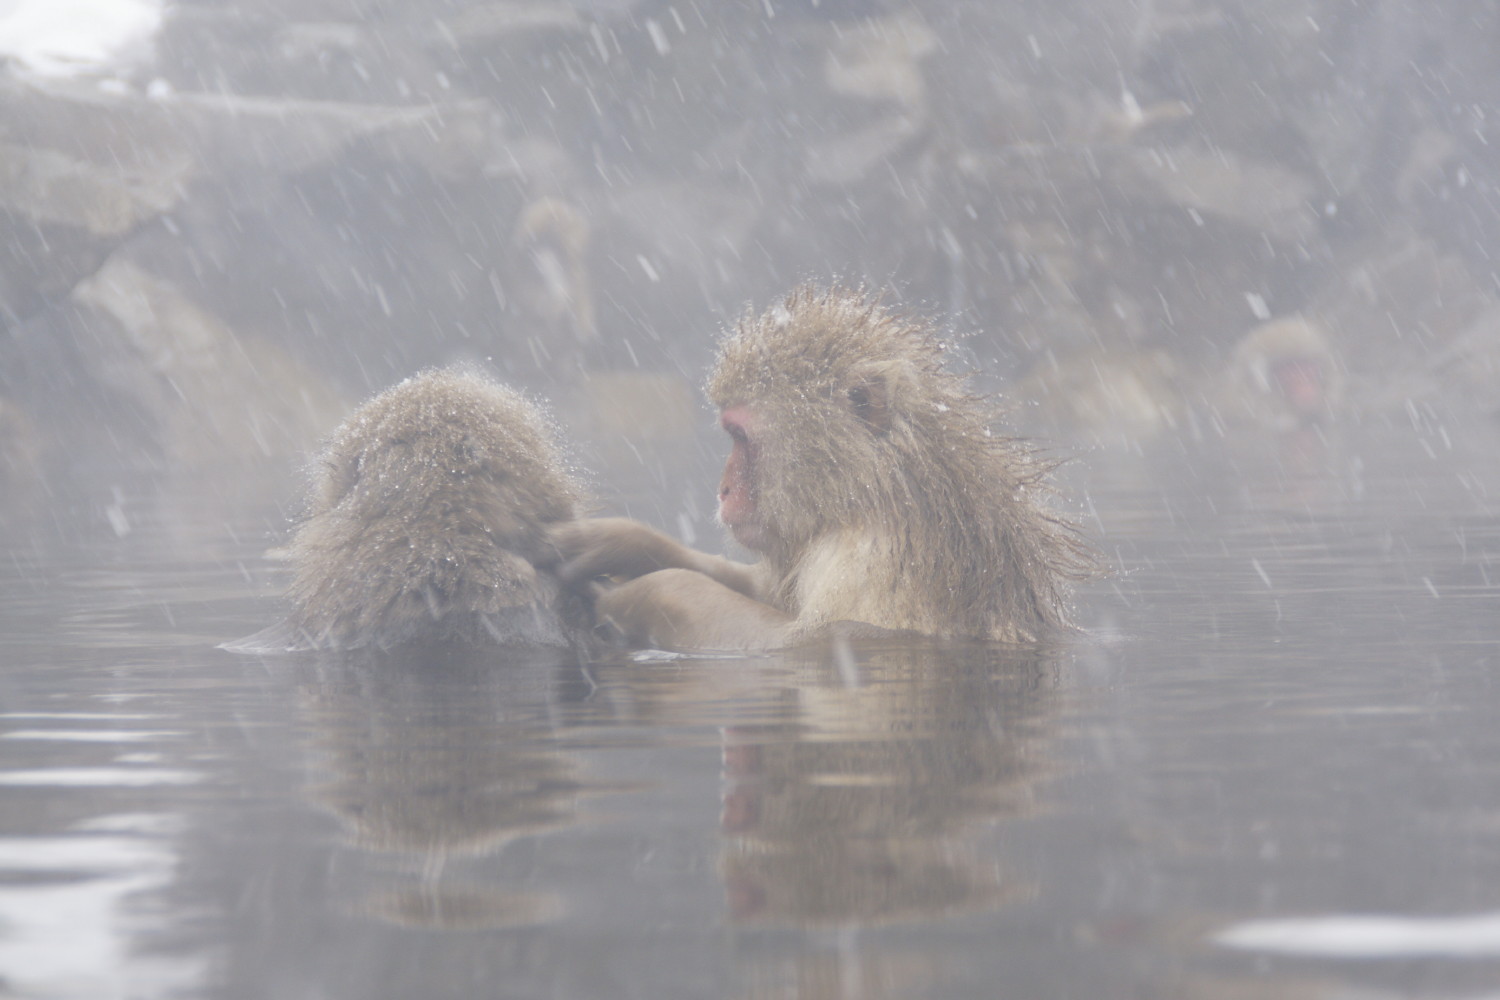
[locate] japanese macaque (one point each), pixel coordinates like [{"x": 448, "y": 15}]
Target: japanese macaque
[
  {"x": 428, "y": 521},
  {"x": 1283, "y": 375},
  {"x": 551, "y": 243},
  {"x": 870, "y": 483}
]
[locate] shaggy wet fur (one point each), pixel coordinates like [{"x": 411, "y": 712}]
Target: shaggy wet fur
[
  {"x": 427, "y": 521},
  {"x": 892, "y": 500}
]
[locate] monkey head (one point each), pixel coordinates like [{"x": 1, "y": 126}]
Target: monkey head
[
  {"x": 1288, "y": 374},
  {"x": 834, "y": 408},
  {"x": 428, "y": 515}
]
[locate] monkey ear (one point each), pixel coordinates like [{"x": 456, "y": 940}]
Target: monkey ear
[{"x": 870, "y": 401}]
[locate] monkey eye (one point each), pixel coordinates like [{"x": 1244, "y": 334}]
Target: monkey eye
[{"x": 734, "y": 428}]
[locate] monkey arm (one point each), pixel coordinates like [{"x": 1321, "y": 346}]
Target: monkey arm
[
  {"x": 682, "y": 609},
  {"x": 620, "y": 547}
]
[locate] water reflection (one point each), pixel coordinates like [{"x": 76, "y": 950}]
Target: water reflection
[
  {"x": 855, "y": 784},
  {"x": 434, "y": 757},
  {"x": 66, "y": 901},
  {"x": 859, "y": 808},
  {"x": 86, "y": 833},
  {"x": 1290, "y": 729},
  {"x": 855, "y": 807}
]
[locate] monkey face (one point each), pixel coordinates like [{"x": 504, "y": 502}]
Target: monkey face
[
  {"x": 1286, "y": 374},
  {"x": 738, "y": 490},
  {"x": 1300, "y": 381}
]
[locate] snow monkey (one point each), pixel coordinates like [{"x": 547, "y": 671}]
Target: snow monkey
[
  {"x": 872, "y": 486},
  {"x": 1283, "y": 376},
  {"x": 428, "y": 521}
]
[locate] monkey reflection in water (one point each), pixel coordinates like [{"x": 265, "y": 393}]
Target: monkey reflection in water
[
  {"x": 870, "y": 482},
  {"x": 428, "y": 522}
]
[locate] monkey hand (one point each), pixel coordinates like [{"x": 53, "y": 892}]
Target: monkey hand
[
  {"x": 615, "y": 547},
  {"x": 683, "y": 609}
]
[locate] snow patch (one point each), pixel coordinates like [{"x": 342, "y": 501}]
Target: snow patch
[{"x": 61, "y": 38}]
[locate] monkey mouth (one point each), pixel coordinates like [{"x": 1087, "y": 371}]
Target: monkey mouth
[
  {"x": 750, "y": 534},
  {"x": 737, "y": 512},
  {"x": 1300, "y": 382}
]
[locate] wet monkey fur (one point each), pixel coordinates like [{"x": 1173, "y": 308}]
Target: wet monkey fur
[
  {"x": 871, "y": 484},
  {"x": 428, "y": 522}
]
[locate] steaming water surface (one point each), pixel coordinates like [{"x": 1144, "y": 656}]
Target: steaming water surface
[{"x": 1269, "y": 767}]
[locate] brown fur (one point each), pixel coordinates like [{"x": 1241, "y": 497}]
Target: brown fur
[
  {"x": 427, "y": 519},
  {"x": 880, "y": 495},
  {"x": 908, "y": 512}
]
